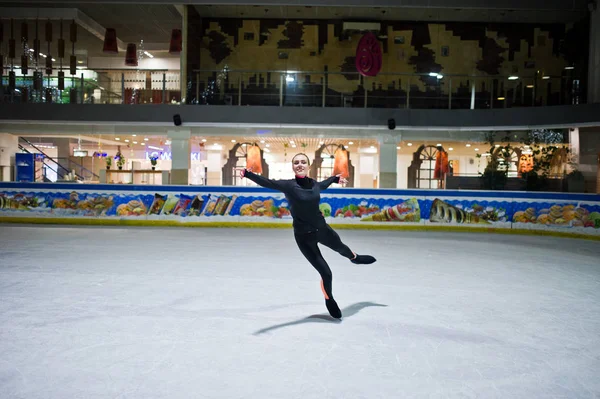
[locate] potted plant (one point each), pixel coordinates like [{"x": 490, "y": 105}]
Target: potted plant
[
  {"x": 153, "y": 161},
  {"x": 120, "y": 161},
  {"x": 108, "y": 163}
]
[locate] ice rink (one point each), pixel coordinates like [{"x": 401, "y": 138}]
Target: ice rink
[{"x": 110, "y": 312}]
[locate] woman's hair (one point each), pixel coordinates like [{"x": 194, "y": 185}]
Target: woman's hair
[{"x": 301, "y": 153}]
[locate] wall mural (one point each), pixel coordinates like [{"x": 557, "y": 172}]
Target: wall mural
[
  {"x": 569, "y": 214},
  {"x": 482, "y": 49}
]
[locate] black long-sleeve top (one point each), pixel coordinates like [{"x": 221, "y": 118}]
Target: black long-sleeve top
[{"x": 303, "y": 195}]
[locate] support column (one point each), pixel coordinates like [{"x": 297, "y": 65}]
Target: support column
[
  {"x": 180, "y": 155},
  {"x": 192, "y": 33},
  {"x": 215, "y": 166},
  {"x": 9, "y": 146},
  {"x": 64, "y": 152},
  {"x": 574, "y": 146},
  {"x": 388, "y": 164},
  {"x": 593, "y": 92}
]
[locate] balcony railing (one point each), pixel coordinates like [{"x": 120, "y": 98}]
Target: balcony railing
[
  {"x": 391, "y": 90},
  {"x": 94, "y": 87},
  {"x": 301, "y": 89}
]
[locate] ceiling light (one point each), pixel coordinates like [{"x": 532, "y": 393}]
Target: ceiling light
[
  {"x": 268, "y": 145},
  {"x": 529, "y": 86},
  {"x": 146, "y": 139},
  {"x": 569, "y": 67},
  {"x": 127, "y": 141},
  {"x": 116, "y": 138},
  {"x": 79, "y": 62},
  {"x": 135, "y": 142},
  {"x": 350, "y": 142},
  {"x": 262, "y": 141},
  {"x": 450, "y": 149},
  {"x": 409, "y": 144},
  {"x": 501, "y": 98},
  {"x": 545, "y": 77},
  {"x": 476, "y": 149},
  {"x": 513, "y": 77},
  {"x": 291, "y": 141},
  {"x": 293, "y": 145},
  {"x": 143, "y": 143},
  {"x": 134, "y": 135},
  {"x": 321, "y": 143},
  {"x": 497, "y": 145},
  {"x": 233, "y": 141},
  {"x": 204, "y": 140},
  {"x": 155, "y": 148},
  {"x": 438, "y": 145},
  {"x": 468, "y": 145},
  {"x": 397, "y": 148}
]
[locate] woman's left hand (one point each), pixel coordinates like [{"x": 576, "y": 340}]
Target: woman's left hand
[{"x": 342, "y": 180}]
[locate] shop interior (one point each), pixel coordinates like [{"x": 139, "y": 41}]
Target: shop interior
[{"x": 216, "y": 160}]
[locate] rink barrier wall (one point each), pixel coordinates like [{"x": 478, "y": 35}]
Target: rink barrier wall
[{"x": 555, "y": 214}]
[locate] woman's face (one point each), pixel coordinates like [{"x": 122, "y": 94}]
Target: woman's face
[{"x": 300, "y": 165}]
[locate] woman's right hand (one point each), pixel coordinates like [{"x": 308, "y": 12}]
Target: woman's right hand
[{"x": 243, "y": 172}]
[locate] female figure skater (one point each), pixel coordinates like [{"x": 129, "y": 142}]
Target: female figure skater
[{"x": 310, "y": 228}]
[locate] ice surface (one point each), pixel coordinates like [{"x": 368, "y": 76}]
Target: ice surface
[{"x": 107, "y": 312}]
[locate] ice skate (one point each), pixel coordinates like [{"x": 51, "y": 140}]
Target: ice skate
[
  {"x": 333, "y": 308},
  {"x": 363, "y": 259}
]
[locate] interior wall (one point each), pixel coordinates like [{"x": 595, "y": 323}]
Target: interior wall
[{"x": 482, "y": 49}]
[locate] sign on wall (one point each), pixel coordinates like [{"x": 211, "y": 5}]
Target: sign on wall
[{"x": 369, "y": 57}]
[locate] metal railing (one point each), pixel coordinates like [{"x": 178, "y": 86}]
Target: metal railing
[
  {"x": 303, "y": 89},
  {"x": 386, "y": 90},
  {"x": 101, "y": 86},
  {"x": 58, "y": 165}
]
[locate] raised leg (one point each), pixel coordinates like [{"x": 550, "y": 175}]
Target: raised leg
[
  {"x": 328, "y": 237},
  {"x": 331, "y": 239}
]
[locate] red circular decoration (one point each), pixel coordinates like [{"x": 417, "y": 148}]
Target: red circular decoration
[{"x": 368, "y": 55}]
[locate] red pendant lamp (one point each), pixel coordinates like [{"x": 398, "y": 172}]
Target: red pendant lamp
[
  {"x": 110, "y": 42},
  {"x": 131, "y": 58},
  {"x": 176, "y": 42}
]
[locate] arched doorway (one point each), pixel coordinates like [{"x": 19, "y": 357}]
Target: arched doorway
[
  {"x": 422, "y": 168},
  {"x": 322, "y": 166},
  {"x": 508, "y": 160},
  {"x": 236, "y": 161}
]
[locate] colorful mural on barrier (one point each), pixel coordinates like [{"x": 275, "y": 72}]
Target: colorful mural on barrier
[{"x": 471, "y": 211}]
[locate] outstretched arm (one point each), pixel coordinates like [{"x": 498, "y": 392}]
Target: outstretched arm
[
  {"x": 263, "y": 181},
  {"x": 333, "y": 179}
]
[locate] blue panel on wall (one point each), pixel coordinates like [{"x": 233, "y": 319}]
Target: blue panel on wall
[{"x": 25, "y": 164}]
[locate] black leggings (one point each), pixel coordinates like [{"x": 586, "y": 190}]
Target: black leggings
[{"x": 308, "y": 246}]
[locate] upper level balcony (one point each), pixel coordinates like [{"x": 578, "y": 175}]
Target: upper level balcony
[
  {"x": 297, "y": 65},
  {"x": 293, "y": 89}
]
